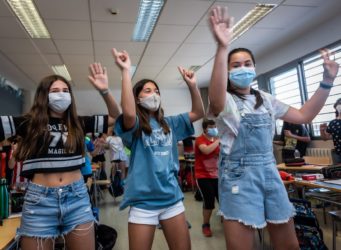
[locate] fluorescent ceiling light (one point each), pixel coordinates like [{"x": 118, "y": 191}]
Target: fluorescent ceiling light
[
  {"x": 149, "y": 11},
  {"x": 251, "y": 18},
  {"x": 29, "y": 18},
  {"x": 62, "y": 71}
]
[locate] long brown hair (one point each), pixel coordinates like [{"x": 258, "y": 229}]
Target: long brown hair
[
  {"x": 259, "y": 99},
  {"x": 143, "y": 113},
  {"x": 37, "y": 136}
]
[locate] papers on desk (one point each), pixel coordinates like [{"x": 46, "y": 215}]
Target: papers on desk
[{"x": 337, "y": 182}]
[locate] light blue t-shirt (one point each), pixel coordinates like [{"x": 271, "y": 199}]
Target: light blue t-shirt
[{"x": 152, "y": 181}]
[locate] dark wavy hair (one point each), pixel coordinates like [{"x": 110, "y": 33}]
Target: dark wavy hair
[
  {"x": 259, "y": 99},
  {"x": 143, "y": 113},
  {"x": 36, "y": 120},
  {"x": 338, "y": 101}
]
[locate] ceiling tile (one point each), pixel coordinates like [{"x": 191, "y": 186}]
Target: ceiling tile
[
  {"x": 133, "y": 48},
  {"x": 170, "y": 33},
  {"x": 184, "y": 12},
  {"x": 11, "y": 28},
  {"x": 104, "y": 31},
  {"x": 74, "y": 46},
  {"x": 51, "y": 9},
  {"x": 127, "y": 10},
  {"x": 69, "y": 30}
]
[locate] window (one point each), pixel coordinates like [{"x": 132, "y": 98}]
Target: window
[
  {"x": 296, "y": 82},
  {"x": 313, "y": 70},
  {"x": 286, "y": 89}
]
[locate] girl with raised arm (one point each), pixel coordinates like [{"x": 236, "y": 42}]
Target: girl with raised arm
[
  {"x": 51, "y": 146},
  {"x": 251, "y": 192},
  {"x": 152, "y": 190}
]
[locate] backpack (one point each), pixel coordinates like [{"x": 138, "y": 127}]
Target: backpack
[
  {"x": 308, "y": 231},
  {"x": 105, "y": 237},
  {"x": 116, "y": 187}
]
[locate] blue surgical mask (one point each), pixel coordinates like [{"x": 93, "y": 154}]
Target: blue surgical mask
[
  {"x": 213, "y": 132},
  {"x": 242, "y": 77}
]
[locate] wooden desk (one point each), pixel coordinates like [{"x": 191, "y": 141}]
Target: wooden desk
[
  {"x": 318, "y": 184},
  {"x": 304, "y": 168},
  {"x": 8, "y": 231}
]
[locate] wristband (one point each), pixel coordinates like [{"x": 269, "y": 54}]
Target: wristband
[
  {"x": 325, "y": 85},
  {"x": 104, "y": 92}
]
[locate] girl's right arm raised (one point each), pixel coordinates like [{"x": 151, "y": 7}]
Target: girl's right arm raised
[
  {"x": 221, "y": 27},
  {"x": 122, "y": 60}
]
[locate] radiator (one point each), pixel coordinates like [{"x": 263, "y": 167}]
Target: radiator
[{"x": 319, "y": 152}]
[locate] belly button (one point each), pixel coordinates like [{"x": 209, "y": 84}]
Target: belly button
[{"x": 60, "y": 179}]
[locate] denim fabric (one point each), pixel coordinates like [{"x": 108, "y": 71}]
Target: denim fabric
[
  {"x": 250, "y": 188},
  {"x": 49, "y": 212}
]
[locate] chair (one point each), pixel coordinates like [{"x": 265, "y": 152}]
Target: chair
[{"x": 336, "y": 217}]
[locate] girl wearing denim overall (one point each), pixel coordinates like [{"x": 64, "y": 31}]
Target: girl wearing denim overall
[{"x": 251, "y": 192}]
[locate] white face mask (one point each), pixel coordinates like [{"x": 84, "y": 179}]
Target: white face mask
[
  {"x": 151, "y": 102},
  {"x": 59, "y": 101},
  {"x": 338, "y": 108}
]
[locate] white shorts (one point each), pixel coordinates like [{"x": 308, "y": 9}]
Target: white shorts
[{"x": 152, "y": 217}]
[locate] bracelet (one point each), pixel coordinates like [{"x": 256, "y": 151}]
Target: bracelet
[
  {"x": 325, "y": 85},
  {"x": 104, "y": 92}
]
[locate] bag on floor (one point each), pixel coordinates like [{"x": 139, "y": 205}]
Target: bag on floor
[
  {"x": 116, "y": 187},
  {"x": 308, "y": 231},
  {"x": 105, "y": 237}
]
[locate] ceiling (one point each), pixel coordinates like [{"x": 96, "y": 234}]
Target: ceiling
[{"x": 84, "y": 31}]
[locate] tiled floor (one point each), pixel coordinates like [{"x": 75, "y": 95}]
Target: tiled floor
[{"x": 112, "y": 216}]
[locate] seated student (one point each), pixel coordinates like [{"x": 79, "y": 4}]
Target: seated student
[
  {"x": 293, "y": 136},
  {"x": 333, "y": 131}
]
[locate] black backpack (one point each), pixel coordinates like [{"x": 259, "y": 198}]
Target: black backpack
[
  {"x": 116, "y": 187},
  {"x": 105, "y": 237}
]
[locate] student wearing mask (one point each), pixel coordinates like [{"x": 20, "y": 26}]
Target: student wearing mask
[
  {"x": 152, "y": 190},
  {"x": 206, "y": 170},
  {"x": 251, "y": 192},
  {"x": 51, "y": 146}
]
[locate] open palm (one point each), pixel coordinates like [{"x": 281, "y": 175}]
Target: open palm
[
  {"x": 221, "y": 25},
  {"x": 98, "y": 76}
]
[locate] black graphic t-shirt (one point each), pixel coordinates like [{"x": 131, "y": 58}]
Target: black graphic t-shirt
[
  {"x": 54, "y": 158},
  {"x": 334, "y": 128}
]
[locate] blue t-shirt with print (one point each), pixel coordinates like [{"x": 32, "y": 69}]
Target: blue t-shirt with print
[{"x": 152, "y": 181}]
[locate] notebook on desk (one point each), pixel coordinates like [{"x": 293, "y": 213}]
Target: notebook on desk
[{"x": 337, "y": 182}]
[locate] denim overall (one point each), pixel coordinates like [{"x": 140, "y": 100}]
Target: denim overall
[{"x": 250, "y": 188}]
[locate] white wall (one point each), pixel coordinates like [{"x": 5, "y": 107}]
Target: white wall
[{"x": 324, "y": 34}]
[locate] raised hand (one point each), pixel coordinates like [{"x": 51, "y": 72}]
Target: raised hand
[
  {"x": 221, "y": 25},
  {"x": 330, "y": 67},
  {"x": 122, "y": 59},
  {"x": 98, "y": 76},
  {"x": 188, "y": 76}
]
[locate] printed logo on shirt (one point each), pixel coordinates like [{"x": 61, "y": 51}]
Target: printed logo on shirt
[
  {"x": 59, "y": 135},
  {"x": 157, "y": 139}
]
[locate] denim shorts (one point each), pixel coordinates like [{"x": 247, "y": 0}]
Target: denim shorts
[
  {"x": 152, "y": 217},
  {"x": 252, "y": 192},
  {"x": 49, "y": 212}
]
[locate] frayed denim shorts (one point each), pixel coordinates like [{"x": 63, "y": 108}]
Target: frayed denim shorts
[
  {"x": 49, "y": 212},
  {"x": 252, "y": 192}
]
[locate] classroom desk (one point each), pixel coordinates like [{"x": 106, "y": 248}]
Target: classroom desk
[
  {"x": 304, "y": 168},
  {"x": 8, "y": 231},
  {"x": 318, "y": 184}
]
